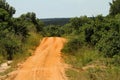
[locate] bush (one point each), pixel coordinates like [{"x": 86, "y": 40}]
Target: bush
[
  {"x": 72, "y": 46},
  {"x": 52, "y": 30}
]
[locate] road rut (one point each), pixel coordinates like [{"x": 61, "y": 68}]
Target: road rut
[{"x": 46, "y": 62}]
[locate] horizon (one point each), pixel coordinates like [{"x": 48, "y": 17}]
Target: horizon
[{"x": 61, "y": 9}]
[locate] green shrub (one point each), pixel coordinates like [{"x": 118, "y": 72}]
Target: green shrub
[
  {"x": 72, "y": 46},
  {"x": 52, "y": 30}
]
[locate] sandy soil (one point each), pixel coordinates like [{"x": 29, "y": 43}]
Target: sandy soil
[{"x": 46, "y": 62}]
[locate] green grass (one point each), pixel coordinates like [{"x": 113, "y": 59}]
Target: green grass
[
  {"x": 76, "y": 75},
  {"x": 82, "y": 57},
  {"x": 94, "y": 74},
  {"x": 1, "y": 59},
  {"x": 103, "y": 74},
  {"x": 102, "y": 68},
  {"x": 27, "y": 49}
]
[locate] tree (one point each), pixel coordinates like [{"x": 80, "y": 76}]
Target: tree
[
  {"x": 12, "y": 31},
  {"x": 52, "y": 30},
  {"x": 4, "y": 16},
  {"x": 77, "y": 22},
  {"x": 4, "y": 5},
  {"x": 114, "y": 7}
]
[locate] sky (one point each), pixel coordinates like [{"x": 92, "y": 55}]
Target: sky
[{"x": 61, "y": 8}]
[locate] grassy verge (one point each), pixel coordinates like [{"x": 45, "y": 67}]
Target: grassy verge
[
  {"x": 27, "y": 49},
  {"x": 88, "y": 64}
]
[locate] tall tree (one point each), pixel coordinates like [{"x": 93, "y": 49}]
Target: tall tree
[
  {"x": 4, "y": 5},
  {"x": 114, "y": 7}
]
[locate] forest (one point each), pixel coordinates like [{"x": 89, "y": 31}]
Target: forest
[
  {"x": 92, "y": 41},
  {"x": 55, "y": 21}
]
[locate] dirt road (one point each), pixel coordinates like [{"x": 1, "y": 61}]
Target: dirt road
[{"x": 46, "y": 62}]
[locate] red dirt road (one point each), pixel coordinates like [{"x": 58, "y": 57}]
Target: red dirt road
[{"x": 46, "y": 62}]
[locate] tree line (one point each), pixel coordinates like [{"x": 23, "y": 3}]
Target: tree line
[
  {"x": 101, "y": 32},
  {"x": 15, "y": 31}
]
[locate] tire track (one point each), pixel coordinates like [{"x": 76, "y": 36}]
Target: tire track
[{"x": 46, "y": 63}]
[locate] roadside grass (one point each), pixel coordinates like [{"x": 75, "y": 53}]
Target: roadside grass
[
  {"x": 1, "y": 59},
  {"x": 82, "y": 57},
  {"x": 27, "y": 49},
  {"x": 104, "y": 74},
  {"x": 76, "y": 75},
  {"x": 89, "y": 64}
]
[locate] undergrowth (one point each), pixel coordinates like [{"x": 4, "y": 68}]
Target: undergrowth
[
  {"x": 27, "y": 49},
  {"x": 88, "y": 64}
]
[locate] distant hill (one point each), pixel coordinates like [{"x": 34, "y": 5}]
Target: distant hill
[{"x": 55, "y": 21}]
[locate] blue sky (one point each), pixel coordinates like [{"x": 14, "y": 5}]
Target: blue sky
[{"x": 61, "y": 8}]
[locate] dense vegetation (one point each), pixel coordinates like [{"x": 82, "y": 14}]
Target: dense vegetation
[
  {"x": 14, "y": 32},
  {"x": 93, "y": 42},
  {"x": 94, "y": 46},
  {"x": 99, "y": 32},
  {"x": 55, "y": 21},
  {"x": 115, "y": 7}
]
